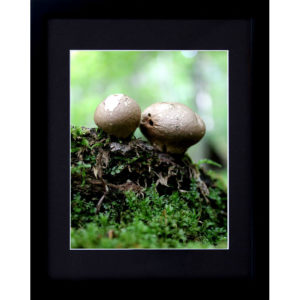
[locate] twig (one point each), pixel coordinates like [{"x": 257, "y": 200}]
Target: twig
[{"x": 100, "y": 202}]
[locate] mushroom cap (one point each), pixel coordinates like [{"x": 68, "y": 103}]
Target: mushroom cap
[
  {"x": 118, "y": 115},
  {"x": 171, "y": 127}
]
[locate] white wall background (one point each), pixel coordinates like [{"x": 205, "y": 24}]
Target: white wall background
[
  {"x": 285, "y": 149},
  {"x": 14, "y": 115}
]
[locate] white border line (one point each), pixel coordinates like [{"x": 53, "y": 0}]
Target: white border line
[
  {"x": 149, "y": 249},
  {"x": 228, "y": 235}
]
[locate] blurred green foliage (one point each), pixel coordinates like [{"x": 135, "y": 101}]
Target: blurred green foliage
[{"x": 197, "y": 79}]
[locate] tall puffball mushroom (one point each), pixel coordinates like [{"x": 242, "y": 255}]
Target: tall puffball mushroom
[
  {"x": 118, "y": 115},
  {"x": 171, "y": 127}
]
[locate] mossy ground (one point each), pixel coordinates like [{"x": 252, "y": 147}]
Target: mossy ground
[{"x": 125, "y": 194}]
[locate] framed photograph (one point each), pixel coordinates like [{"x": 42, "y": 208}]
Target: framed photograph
[
  {"x": 149, "y": 173},
  {"x": 150, "y": 158}
]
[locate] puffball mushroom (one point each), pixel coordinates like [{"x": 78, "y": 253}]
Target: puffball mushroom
[
  {"x": 171, "y": 127},
  {"x": 118, "y": 115}
]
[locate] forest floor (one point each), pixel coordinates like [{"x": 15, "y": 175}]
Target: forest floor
[{"x": 126, "y": 194}]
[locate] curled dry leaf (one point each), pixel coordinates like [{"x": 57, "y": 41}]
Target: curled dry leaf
[
  {"x": 163, "y": 180},
  {"x": 117, "y": 147}
]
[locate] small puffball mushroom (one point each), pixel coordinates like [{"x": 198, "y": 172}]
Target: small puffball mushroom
[
  {"x": 118, "y": 115},
  {"x": 171, "y": 127}
]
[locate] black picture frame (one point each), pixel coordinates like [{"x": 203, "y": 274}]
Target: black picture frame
[{"x": 243, "y": 29}]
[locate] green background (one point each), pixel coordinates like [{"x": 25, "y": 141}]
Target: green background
[{"x": 198, "y": 79}]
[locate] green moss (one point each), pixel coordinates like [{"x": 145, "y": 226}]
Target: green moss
[
  {"x": 178, "y": 220},
  {"x": 157, "y": 216}
]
